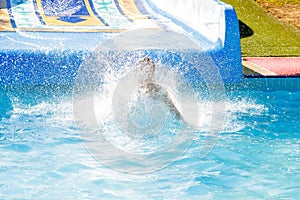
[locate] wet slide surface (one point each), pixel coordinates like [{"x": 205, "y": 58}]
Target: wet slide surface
[
  {"x": 58, "y": 34},
  {"x": 73, "y": 16}
]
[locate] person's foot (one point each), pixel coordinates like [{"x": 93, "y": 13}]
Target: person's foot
[{"x": 147, "y": 67}]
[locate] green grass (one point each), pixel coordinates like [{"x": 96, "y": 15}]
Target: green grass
[
  {"x": 270, "y": 36},
  {"x": 280, "y": 2}
]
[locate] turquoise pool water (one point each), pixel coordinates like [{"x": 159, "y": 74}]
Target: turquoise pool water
[{"x": 257, "y": 155}]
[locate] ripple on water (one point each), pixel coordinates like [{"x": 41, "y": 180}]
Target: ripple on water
[
  {"x": 257, "y": 157},
  {"x": 21, "y": 148}
]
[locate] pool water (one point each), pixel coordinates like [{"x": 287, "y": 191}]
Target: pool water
[{"x": 257, "y": 155}]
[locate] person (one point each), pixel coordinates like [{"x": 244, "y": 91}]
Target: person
[{"x": 147, "y": 68}]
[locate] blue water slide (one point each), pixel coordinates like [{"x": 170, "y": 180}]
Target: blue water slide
[{"x": 45, "y": 42}]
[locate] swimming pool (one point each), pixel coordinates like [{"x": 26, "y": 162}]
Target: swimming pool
[{"x": 257, "y": 155}]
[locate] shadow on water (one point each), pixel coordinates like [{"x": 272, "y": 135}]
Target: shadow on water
[
  {"x": 6, "y": 105},
  {"x": 245, "y": 30}
]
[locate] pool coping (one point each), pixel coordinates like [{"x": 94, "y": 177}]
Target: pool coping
[{"x": 271, "y": 66}]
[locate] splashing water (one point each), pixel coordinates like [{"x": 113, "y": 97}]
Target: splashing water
[
  {"x": 41, "y": 150},
  {"x": 62, "y": 7},
  {"x": 110, "y": 76},
  {"x": 149, "y": 124}
]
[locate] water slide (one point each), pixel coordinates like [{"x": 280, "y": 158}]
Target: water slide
[{"x": 46, "y": 41}]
